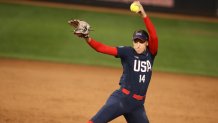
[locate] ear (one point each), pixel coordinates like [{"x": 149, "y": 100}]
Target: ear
[{"x": 146, "y": 43}]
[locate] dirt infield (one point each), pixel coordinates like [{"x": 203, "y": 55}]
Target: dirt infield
[{"x": 43, "y": 92}]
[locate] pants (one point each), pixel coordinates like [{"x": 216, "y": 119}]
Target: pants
[{"x": 121, "y": 104}]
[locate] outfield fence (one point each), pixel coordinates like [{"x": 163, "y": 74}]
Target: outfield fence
[{"x": 189, "y": 7}]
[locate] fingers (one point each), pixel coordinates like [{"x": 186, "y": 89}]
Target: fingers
[
  {"x": 142, "y": 11},
  {"x": 138, "y": 3}
]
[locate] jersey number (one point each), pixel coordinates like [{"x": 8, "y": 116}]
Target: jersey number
[{"x": 141, "y": 78}]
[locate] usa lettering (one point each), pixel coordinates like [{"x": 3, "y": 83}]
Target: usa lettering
[{"x": 142, "y": 66}]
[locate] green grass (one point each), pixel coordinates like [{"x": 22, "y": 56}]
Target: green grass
[
  {"x": 42, "y": 33},
  {"x": 188, "y": 47}
]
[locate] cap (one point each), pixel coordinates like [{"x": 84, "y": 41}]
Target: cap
[{"x": 140, "y": 34}]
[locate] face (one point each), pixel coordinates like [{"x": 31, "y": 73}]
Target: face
[{"x": 140, "y": 45}]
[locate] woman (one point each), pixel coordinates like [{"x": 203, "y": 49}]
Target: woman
[{"x": 137, "y": 62}]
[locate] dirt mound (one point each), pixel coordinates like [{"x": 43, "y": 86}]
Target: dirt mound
[{"x": 43, "y": 92}]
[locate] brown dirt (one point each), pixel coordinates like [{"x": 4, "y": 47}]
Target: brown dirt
[{"x": 44, "y": 92}]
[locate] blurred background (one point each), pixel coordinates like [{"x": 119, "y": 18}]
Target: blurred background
[
  {"x": 38, "y": 30},
  {"x": 190, "y": 7}
]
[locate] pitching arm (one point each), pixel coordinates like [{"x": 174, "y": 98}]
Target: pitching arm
[{"x": 153, "y": 39}]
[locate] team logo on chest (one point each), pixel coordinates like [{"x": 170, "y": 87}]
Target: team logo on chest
[{"x": 142, "y": 66}]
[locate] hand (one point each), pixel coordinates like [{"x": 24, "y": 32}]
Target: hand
[{"x": 142, "y": 11}]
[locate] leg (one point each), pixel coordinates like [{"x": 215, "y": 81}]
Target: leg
[
  {"x": 112, "y": 109},
  {"x": 137, "y": 116}
]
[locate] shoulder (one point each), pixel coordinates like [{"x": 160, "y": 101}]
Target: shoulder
[
  {"x": 124, "y": 51},
  {"x": 124, "y": 48},
  {"x": 151, "y": 55}
]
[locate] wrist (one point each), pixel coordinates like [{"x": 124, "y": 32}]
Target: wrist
[
  {"x": 88, "y": 39},
  {"x": 143, "y": 14}
]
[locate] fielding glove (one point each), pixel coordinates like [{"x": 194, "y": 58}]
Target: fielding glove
[{"x": 82, "y": 28}]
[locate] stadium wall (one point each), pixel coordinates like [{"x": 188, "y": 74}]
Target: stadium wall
[{"x": 190, "y": 7}]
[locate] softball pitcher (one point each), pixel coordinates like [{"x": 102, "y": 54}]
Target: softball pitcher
[{"x": 137, "y": 62}]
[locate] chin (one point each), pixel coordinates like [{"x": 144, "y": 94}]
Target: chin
[{"x": 139, "y": 52}]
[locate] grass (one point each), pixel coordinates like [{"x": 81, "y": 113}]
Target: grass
[{"x": 42, "y": 33}]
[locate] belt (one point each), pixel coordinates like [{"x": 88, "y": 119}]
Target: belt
[{"x": 135, "y": 96}]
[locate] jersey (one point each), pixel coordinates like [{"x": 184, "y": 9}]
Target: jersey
[{"x": 137, "y": 69}]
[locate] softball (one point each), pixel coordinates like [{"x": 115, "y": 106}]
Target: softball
[{"x": 134, "y": 8}]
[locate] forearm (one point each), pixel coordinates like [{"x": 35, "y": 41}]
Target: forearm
[
  {"x": 150, "y": 27},
  {"x": 102, "y": 48}
]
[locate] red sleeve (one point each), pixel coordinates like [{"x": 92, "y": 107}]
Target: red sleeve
[
  {"x": 99, "y": 47},
  {"x": 153, "y": 40}
]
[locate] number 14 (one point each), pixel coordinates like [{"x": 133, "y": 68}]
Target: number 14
[{"x": 141, "y": 78}]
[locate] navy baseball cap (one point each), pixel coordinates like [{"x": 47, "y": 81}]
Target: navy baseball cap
[{"x": 140, "y": 34}]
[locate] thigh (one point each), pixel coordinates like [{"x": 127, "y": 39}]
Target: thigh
[
  {"x": 137, "y": 116},
  {"x": 112, "y": 109}
]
